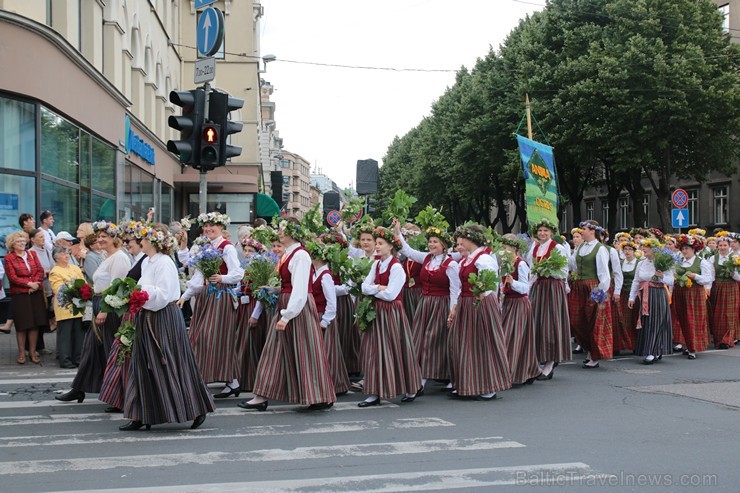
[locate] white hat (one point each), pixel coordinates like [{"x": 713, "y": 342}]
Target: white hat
[{"x": 63, "y": 235}]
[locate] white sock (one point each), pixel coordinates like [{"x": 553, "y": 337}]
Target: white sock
[
  {"x": 372, "y": 398},
  {"x": 449, "y": 385},
  {"x": 423, "y": 382},
  {"x": 234, "y": 383},
  {"x": 488, "y": 396},
  {"x": 649, "y": 357}
]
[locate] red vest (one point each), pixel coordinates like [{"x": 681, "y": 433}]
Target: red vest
[
  {"x": 337, "y": 279},
  {"x": 466, "y": 289},
  {"x": 510, "y": 293},
  {"x": 382, "y": 279},
  {"x": 318, "y": 292},
  {"x": 435, "y": 282},
  {"x": 413, "y": 271},
  {"x": 223, "y": 269},
  {"x": 285, "y": 277},
  {"x": 550, "y": 248}
]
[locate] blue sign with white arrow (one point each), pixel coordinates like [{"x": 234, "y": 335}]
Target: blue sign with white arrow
[
  {"x": 210, "y": 31},
  {"x": 680, "y": 218}
]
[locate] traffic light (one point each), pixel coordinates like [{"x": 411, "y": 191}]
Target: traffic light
[
  {"x": 188, "y": 124},
  {"x": 221, "y": 104},
  {"x": 209, "y": 147},
  {"x": 370, "y": 205}
]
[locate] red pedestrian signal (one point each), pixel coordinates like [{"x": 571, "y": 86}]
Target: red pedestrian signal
[{"x": 210, "y": 135}]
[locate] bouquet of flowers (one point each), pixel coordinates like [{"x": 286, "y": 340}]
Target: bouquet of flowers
[
  {"x": 598, "y": 296},
  {"x": 260, "y": 271},
  {"x": 485, "y": 280},
  {"x": 186, "y": 223},
  {"x": 354, "y": 273},
  {"x": 123, "y": 295},
  {"x": 506, "y": 261},
  {"x": 207, "y": 259},
  {"x": 125, "y": 336},
  {"x": 665, "y": 259},
  {"x": 75, "y": 296},
  {"x": 547, "y": 267},
  {"x": 313, "y": 221},
  {"x": 365, "y": 314},
  {"x": 731, "y": 265}
]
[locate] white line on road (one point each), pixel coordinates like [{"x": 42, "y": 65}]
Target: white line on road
[
  {"x": 35, "y": 381},
  {"x": 264, "y": 455},
  {"x": 573, "y": 473}
]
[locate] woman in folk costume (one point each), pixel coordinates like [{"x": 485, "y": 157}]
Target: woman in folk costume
[
  {"x": 163, "y": 384},
  {"x": 213, "y": 326},
  {"x": 293, "y": 366},
  {"x": 412, "y": 290},
  {"x": 251, "y": 323},
  {"x": 389, "y": 361},
  {"x": 577, "y": 240},
  {"x": 440, "y": 278},
  {"x": 724, "y": 300},
  {"x": 476, "y": 346},
  {"x": 591, "y": 321},
  {"x": 549, "y": 302},
  {"x": 649, "y": 294},
  {"x": 615, "y": 285},
  {"x": 690, "y": 297},
  {"x": 517, "y": 317},
  {"x": 324, "y": 292},
  {"x": 99, "y": 339},
  {"x": 625, "y": 333}
]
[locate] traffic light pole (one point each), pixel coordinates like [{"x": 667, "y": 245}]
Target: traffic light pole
[{"x": 203, "y": 187}]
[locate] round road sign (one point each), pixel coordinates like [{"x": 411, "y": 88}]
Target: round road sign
[
  {"x": 680, "y": 198},
  {"x": 333, "y": 218},
  {"x": 210, "y": 31}
]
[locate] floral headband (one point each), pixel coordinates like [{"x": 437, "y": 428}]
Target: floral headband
[
  {"x": 213, "y": 218},
  {"x": 251, "y": 242},
  {"x": 575, "y": 230},
  {"x": 639, "y": 231},
  {"x": 694, "y": 242},
  {"x": 334, "y": 238},
  {"x": 364, "y": 228},
  {"x": 264, "y": 234},
  {"x": 520, "y": 244},
  {"x": 388, "y": 236},
  {"x": 547, "y": 223},
  {"x": 109, "y": 228},
  {"x": 651, "y": 243},
  {"x": 698, "y": 232},
  {"x": 160, "y": 239},
  {"x": 130, "y": 228},
  {"x": 628, "y": 244},
  {"x": 592, "y": 227},
  {"x": 656, "y": 232},
  {"x": 442, "y": 235},
  {"x": 466, "y": 232},
  {"x": 293, "y": 230}
]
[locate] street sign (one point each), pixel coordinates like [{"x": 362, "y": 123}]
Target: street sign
[
  {"x": 210, "y": 31},
  {"x": 205, "y": 70},
  {"x": 333, "y": 218},
  {"x": 358, "y": 216},
  {"x": 680, "y": 218},
  {"x": 199, "y": 4},
  {"x": 680, "y": 198}
]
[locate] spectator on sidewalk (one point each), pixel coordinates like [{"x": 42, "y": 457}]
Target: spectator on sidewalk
[
  {"x": 80, "y": 250},
  {"x": 69, "y": 326},
  {"x": 5, "y": 329},
  {"x": 27, "y": 222},
  {"x": 66, "y": 240},
  {"x": 47, "y": 221}
]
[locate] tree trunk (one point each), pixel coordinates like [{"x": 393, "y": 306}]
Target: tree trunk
[
  {"x": 634, "y": 187},
  {"x": 663, "y": 194}
]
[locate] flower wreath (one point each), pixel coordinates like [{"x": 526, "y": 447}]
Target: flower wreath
[
  {"x": 656, "y": 233},
  {"x": 543, "y": 222},
  {"x": 520, "y": 244},
  {"x": 251, "y": 242},
  {"x": 160, "y": 239},
  {"x": 130, "y": 228},
  {"x": 694, "y": 242},
  {"x": 651, "y": 243},
  {"x": 720, "y": 234},
  {"x": 364, "y": 228},
  {"x": 592, "y": 227},
  {"x": 265, "y": 234},
  {"x": 628, "y": 244},
  {"x": 698, "y": 232},
  {"x": 442, "y": 235},
  {"x": 621, "y": 237},
  {"x": 319, "y": 251},
  {"x": 110, "y": 228},
  {"x": 387, "y": 235},
  {"x": 213, "y": 218},
  {"x": 295, "y": 231},
  {"x": 334, "y": 238},
  {"x": 640, "y": 231},
  {"x": 466, "y": 232},
  {"x": 576, "y": 230}
]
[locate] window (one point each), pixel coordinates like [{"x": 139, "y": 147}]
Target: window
[
  {"x": 693, "y": 207},
  {"x": 721, "y": 205},
  {"x": 138, "y": 194},
  {"x": 645, "y": 210},
  {"x": 63, "y": 201},
  {"x": 103, "y": 167},
  {"x": 17, "y": 195},
  {"x": 589, "y": 211},
  {"x": 624, "y": 212},
  {"x": 605, "y": 214},
  {"x": 60, "y": 147},
  {"x": 725, "y": 11},
  {"x": 284, "y": 163},
  {"x": 17, "y": 135},
  {"x": 238, "y": 206}
]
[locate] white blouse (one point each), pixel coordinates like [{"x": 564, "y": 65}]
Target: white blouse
[
  {"x": 114, "y": 267},
  {"x": 602, "y": 262},
  {"x": 521, "y": 285},
  {"x": 616, "y": 269},
  {"x": 563, "y": 274},
  {"x": 452, "y": 271},
  {"x": 707, "y": 272},
  {"x": 160, "y": 280},
  {"x": 722, "y": 260},
  {"x": 396, "y": 281},
  {"x": 644, "y": 272},
  {"x": 484, "y": 262},
  {"x": 327, "y": 285},
  {"x": 300, "y": 273},
  {"x": 234, "y": 274}
]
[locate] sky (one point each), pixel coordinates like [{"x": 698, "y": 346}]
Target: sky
[{"x": 334, "y": 116}]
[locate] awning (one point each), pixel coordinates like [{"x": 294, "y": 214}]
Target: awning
[{"x": 266, "y": 206}]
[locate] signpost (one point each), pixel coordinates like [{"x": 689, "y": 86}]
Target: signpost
[
  {"x": 680, "y": 214},
  {"x": 333, "y": 217},
  {"x": 680, "y": 198},
  {"x": 210, "y": 31},
  {"x": 680, "y": 218},
  {"x": 199, "y": 4}
]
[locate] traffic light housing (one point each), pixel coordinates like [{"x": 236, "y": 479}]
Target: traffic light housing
[
  {"x": 370, "y": 205},
  {"x": 209, "y": 147},
  {"x": 189, "y": 124},
  {"x": 220, "y": 105}
]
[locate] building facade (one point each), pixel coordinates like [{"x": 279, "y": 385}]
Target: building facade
[
  {"x": 84, "y": 108},
  {"x": 296, "y": 184}
]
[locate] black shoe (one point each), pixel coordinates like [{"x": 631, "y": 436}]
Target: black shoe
[
  {"x": 578, "y": 349},
  {"x": 685, "y": 352},
  {"x": 542, "y": 376},
  {"x": 589, "y": 367},
  {"x": 198, "y": 421},
  {"x": 660, "y": 357},
  {"x": 408, "y": 398},
  {"x": 692, "y": 355},
  {"x": 113, "y": 409},
  {"x": 420, "y": 392},
  {"x": 318, "y": 407},
  {"x": 492, "y": 398},
  {"x": 133, "y": 426},
  {"x": 234, "y": 392},
  {"x": 72, "y": 395},
  {"x": 648, "y": 361},
  {"x": 723, "y": 346},
  {"x": 375, "y": 402},
  {"x": 530, "y": 381},
  {"x": 262, "y": 406}
]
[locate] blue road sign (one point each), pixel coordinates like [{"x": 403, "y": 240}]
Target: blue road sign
[
  {"x": 333, "y": 217},
  {"x": 680, "y": 218},
  {"x": 210, "y": 31},
  {"x": 199, "y": 4}
]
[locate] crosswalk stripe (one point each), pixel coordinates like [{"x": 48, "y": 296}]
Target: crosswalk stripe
[
  {"x": 208, "y": 433},
  {"x": 264, "y": 455},
  {"x": 573, "y": 473},
  {"x": 35, "y": 381}
]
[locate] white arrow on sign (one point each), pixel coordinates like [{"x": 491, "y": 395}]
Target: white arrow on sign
[
  {"x": 680, "y": 218},
  {"x": 206, "y": 27}
]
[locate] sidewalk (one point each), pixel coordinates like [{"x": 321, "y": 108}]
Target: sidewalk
[{"x": 9, "y": 353}]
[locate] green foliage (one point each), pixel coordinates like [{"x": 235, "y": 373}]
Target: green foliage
[
  {"x": 549, "y": 266},
  {"x": 399, "y": 207},
  {"x": 351, "y": 209},
  {"x": 313, "y": 221},
  {"x": 365, "y": 313},
  {"x": 353, "y": 272},
  {"x": 431, "y": 217},
  {"x": 485, "y": 280},
  {"x": 115, "y": 298}
]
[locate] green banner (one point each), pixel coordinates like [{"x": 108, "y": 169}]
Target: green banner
[{"x": 541, "y": 180}]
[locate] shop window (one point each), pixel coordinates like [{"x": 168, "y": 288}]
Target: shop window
[
  {"x": 103, "y": 167},
  {"x": 103, "y": 208},
  {"x": 60, "y": 147},
  {"x": 86, "y": 214},
  {"x": 238, "y": 206},
  {"x": 85, "y": 160},
  {"x": 63, "y": 201},
  {"x": 17, "y": 135},
  {"x": 139, "y": 192},
  {"x": 17, "y": 195}
]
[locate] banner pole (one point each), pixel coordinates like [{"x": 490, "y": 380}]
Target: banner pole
[{"x": 529, "y": 117}]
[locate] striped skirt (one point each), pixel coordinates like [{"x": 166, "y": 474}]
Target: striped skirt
[
  {"x": 724, "y": 312},
  {"x": 349, "y": 334},
  {"x": 625, "y": 332},
  {"x": 249, "y": 342},
  {"x": 429, "y": 331},
  {"x": 335, "y": 358},
  {"x": 114, "y": 381},
  {"x": 389, "y": 361},
  {"x": 164, "y": 384},
  {"x": 293, "y": 366},
  {"x": 655, "y": 336},
  {"x": 476, "y": 348},
  {"x": 550, "y": 319},
  {"x": 520, "y": 338},
  {"x": 691, "y": 316},
  {"x": 95, "y": 349},
  {"x": 593, "y": 323},
  {"x": 411, "y": 300},
  {"x": 213, "y": 334}
]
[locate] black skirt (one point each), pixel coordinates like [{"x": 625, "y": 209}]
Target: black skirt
[{"x": 29, "y": 311}]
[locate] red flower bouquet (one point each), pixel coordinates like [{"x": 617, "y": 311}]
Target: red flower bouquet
[{"x": 137, "y": 300}]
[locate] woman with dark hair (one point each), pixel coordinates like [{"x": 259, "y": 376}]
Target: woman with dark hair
[
  {"x": 293, "y": 366},
  {"x": 479, "y": 367},
  {"x": 625, "y": 333},
  {"x": 163, "y": 382},
  {"x": 689, "y": 295},
  {"x": 99, "y": 339},
  {"x": 724, "y": 299}
]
